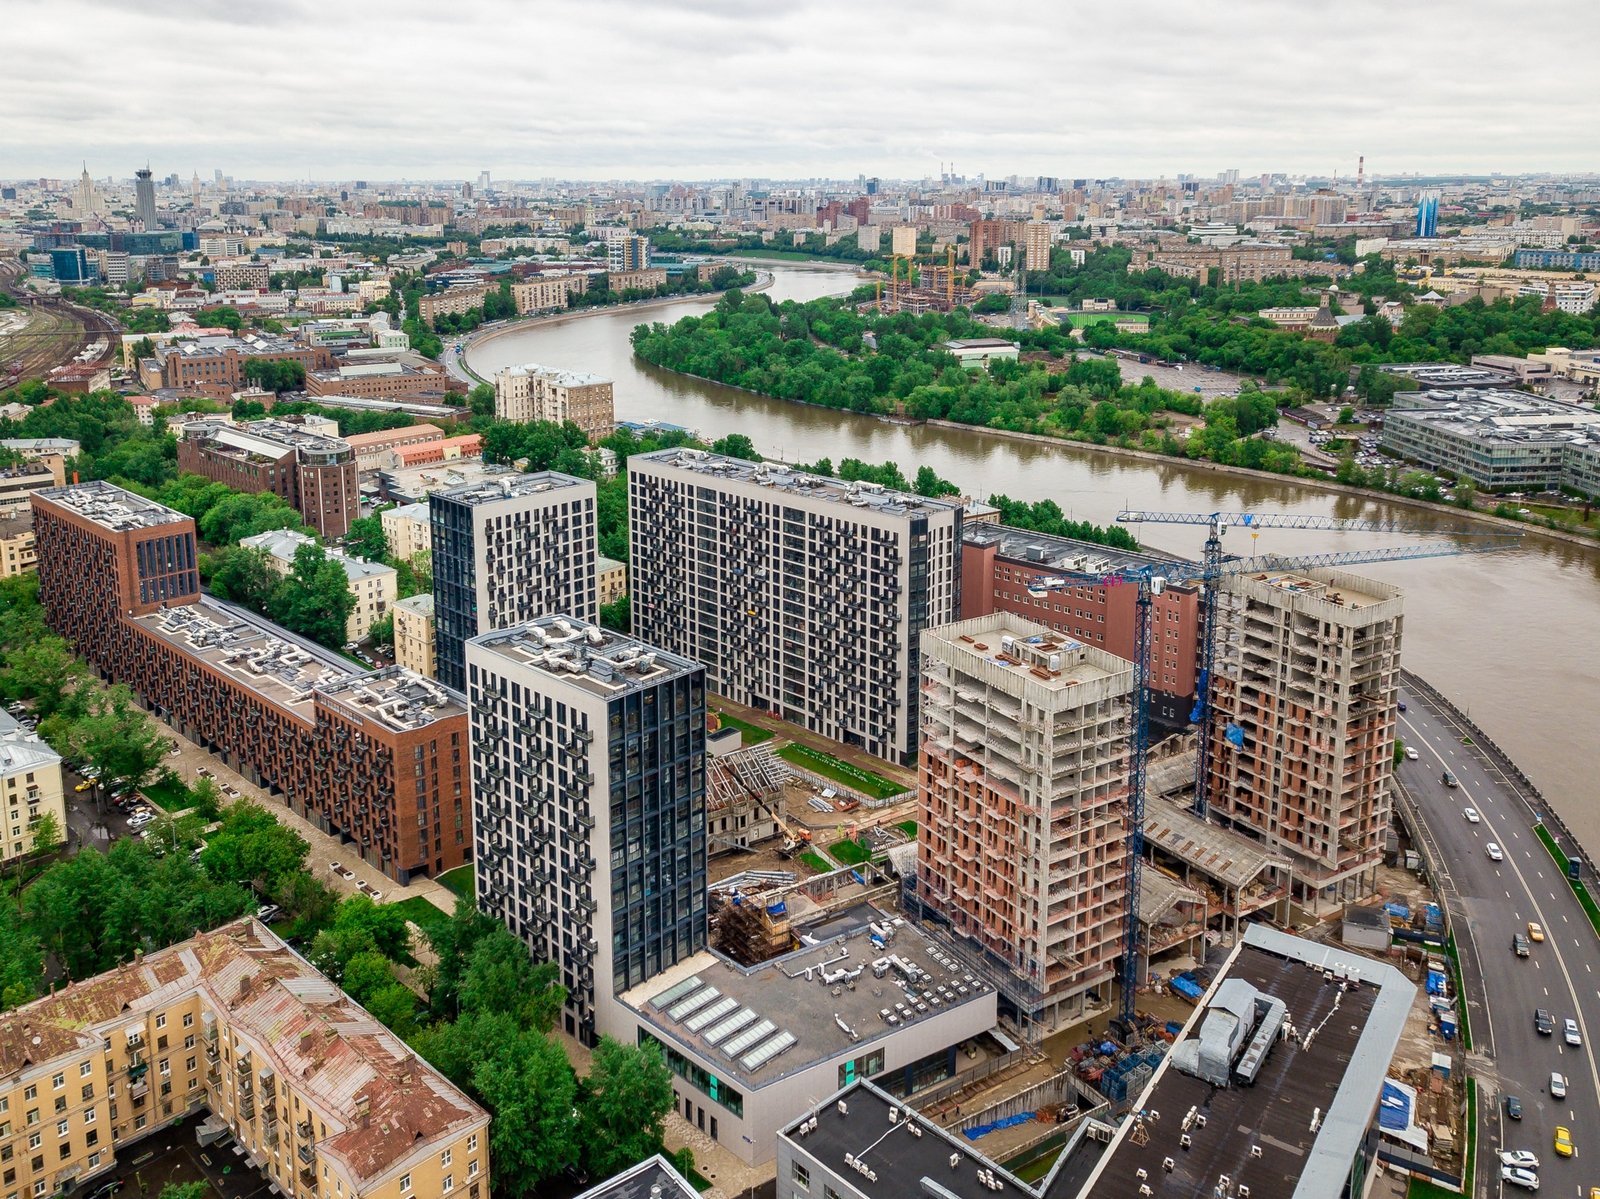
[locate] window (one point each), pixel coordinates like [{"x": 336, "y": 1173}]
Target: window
[
  {"x": 188, "y": 1019},
  {"x": 88, "y": 1115},
  {"x": 85, "y": 1069},
  {"x": 188, "y": 1041},
  {"x": 161, "y": 1020},
  {"x": 448, "y": 1185},
  {"x": 62, "y": 1128},
  {"x": 472, "y": 1168},
  {"x": 802, "y": 1175},
  {"x": 58, "y": 1081},
  {"x": 828, "y": 1192},
  {"x": 444, "y": 1158},
  {"x": 405, "y": 1183},
  {"x": 472, "y": 1143}
]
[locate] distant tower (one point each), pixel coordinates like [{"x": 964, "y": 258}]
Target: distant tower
[
  {"x": 194, "y": 185},
  {"x": 1428, "y": 214},
  {"x": 144, "y": 201},
  {"x": 1361, "y": 172},
  {"x": 85, "y": 200}
]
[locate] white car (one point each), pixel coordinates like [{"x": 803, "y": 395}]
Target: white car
[
  {"x": 1494, "y": 853},
  {"x": 1411, "y": 753},
  {"x": 1471, "y": 814},
  {"x": 1558, "y": 1086},
  {"x": 140, "y": 819},
  {"x": 1569, "y": 1029},
  {"x": 1521, "y": 1158},
  {"x": 1517, "y": 1177}
]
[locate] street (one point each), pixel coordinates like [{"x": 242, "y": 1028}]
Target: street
[{"x": 1498, "y": 899}]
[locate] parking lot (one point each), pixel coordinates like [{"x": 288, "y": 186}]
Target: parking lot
[{"x": 173, "y": 1155}]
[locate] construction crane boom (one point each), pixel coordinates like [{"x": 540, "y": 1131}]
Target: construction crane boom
[
  {"x": 1285, "y": 520},
  {"x": 1151, "y": 580}
]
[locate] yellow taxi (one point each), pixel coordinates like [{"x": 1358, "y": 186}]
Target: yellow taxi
[
  {"x": 1563, "y": 1142},
  {"x": 85, "y": 785},
  {"x": 1535, "y": 932}
]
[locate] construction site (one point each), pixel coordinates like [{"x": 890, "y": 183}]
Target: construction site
[{"x": 920, "y": 288}]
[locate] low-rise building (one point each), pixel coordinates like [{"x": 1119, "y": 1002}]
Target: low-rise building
[
  {"x": 981, "y": 351},
  {"x": 215, "y": 365},
  {"x": 456, "y": 300},
  {"x": 1501, "y": 440},
  {"x": 372, "y": 583},
  {"x": 413, "y": 635},
  {"x": 314, "y": 472},
  {"x": 611, "y": 579},
  {"x": 30, "y": 784},
  {"x": 17, "y": 555},
  {"x": 376, "y": 380},
  {"x": 311, "y": 1087},
  {"x": 408, "y": 529},
  {"x": 545, "y": 393},
  {"x": 18, "y": 483},
  {"x": 369, "y": 447}
]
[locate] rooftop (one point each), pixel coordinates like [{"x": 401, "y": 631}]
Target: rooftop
[
  {"x": 254, "y": 344},
  {"x": 586, "y": 656},
  {"x": 1010, "y": 650},
  {"x": 422, "y": 604},
  {"x": 41, "y": 445},
  {"x": 22, "y": 750},
  {"x": 284, "y": 1011},
  {"x": 414, "y": 484},
  {"x": 283, "y": 544},
  {"x": 824, "y": 1001},
  {"x": 556, "y": 374},
  {"x": 1492, "y": 415},
  {"x": 396, "y": 697},
  {"x": 642, "y": 1182},
  {"x": 254, "y": 652},
  {"x": 1294, "y": 1130},
  {"x": 411, "y": 512},
  {"x": 411, "y": 405},
  {"x": 386, "y": 437},
  {"x": 798, "y": 483},
  {"x": 508, "y": 486},
  {"x": 1341, "y": 590},
  {"x": 1050, "y": 552},
  {"x": 270, "y": 439},
  {"x": 111, "y": 507}
]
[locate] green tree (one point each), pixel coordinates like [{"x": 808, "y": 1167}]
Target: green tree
[
  {"x": 46, "y": 834},
  {"x": 275, "y": 374},
  {"x": 21, "y": 962},
  {"x": 527, "y": 1084},
  {"x": 736, "y": 445},
  {"x": 184, "y": 1190},
  {"x": 310, "y": 903},
  {"x": 253, "y": 849},
  {"x": 381, "y": 631},
  {"x": 481, "y": 399},
  {"x": 243, "y": 574},
  {"x": 47, "y": 672},
  {"x": 928, "y": 483},
  {"x": 617, "y": 614},
  {"x": 366, "y": 538},
  {"x": 365, "y": 973},
  {"x": 361, "y": 926},
  {"x": 626, "y": 1097},
  {"x": 119, "y": 738},
  {"x": 502, "y": 978},
  {"x": 315, "y": 600},
  {"x": 452, "y": 942}
]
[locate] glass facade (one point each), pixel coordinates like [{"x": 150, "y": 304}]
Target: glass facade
[{"x": 455, "y": 587}]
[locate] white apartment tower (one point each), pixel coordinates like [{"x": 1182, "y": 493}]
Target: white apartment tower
[
  {"x": 1023, "y": 788},
  {"x": 505, "y": 551},
  {"x": 588, "y": 765},
  {"x": 802, "y": 595},
  {"x": 1303, "y": 696}
]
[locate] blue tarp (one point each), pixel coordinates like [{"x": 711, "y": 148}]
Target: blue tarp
[
  {"x": 1234, "y": 734},
  {"x": 1394, "y": 1108},
  {"x": 1184, "y": 986},
  {"x": 1432, "y": 915},
  {"x": 1398, "y": 909},
  {"x": 983, "y": 1130},
  {"x": 1436, "y": 983}
]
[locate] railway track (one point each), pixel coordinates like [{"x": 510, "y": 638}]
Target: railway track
[{"x": 56, "y": 334}]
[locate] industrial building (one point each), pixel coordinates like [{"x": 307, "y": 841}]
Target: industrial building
[
  {"x": 506, "y": 550},
  {"x": 1501, "y": 440},
  {"x": 312, "y": 1089},
  {"x": 591, "y": 848},
  {"x": 1023, "y": 791},
  {"x": 354, "y": 752},
  {"x": 802, "y": 595},
  {"x": 1303, "y": 703},
  {"x": 313, "y": 472},
  {"x": 544, "y": 393}
]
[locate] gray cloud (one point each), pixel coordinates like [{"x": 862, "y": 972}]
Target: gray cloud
[{"x": 626, "y": 89}]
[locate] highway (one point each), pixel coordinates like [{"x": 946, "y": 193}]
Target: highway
[{"x": 1497, "y": 900}]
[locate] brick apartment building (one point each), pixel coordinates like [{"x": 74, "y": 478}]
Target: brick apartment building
[
  {"x": 544, "y": 393},
  {"x": 316, "y": 474},
  {"x": 984, "y": 236},
  {"x": 998, "y": 563},
  {"x": 433, "y": 305},
  {"x": 536, "y": 295},
  {"x": 215, "y": 365},
  {"x": 370, "y": 448},
  {"x": 374, "y": 757},
  {"x": 376, "y": 381}
]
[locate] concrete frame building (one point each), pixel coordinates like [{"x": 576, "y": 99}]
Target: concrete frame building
[
  {"x": 316, "y": 474},
  {"x": 308, "y": 1084},
  {"x": 505, "y": 551},
  {"x": 543, "y": 393},
  {"x": 1303, "y": 701},
  {"x": 588, "y": 752},
  {"x": 214, "y": 365},
  {"x": 802, "y": 595},
  {"x": 1036, "y": 243},
  {"x": 1023, "y": 791}
]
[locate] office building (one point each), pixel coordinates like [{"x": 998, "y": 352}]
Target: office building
[
  {"x": 505, "y": 551},
  {"x": 377, "y": 380},
  {"x": 1023, "y": 788},
  {"x": 546, "y": 393},
  {"x": 1303, "y": 707},
  {"x": 242, "y": 276},
  {"x": 235, "y": 1023},
  {"x": 370, "y": 448},
  {"x": 17, "y": 555},
  {"x": 144, "y": 199},
  {"x": 314, "y": 473},
  {"x": 30, "y": 789},
  {"x": 350, "y": 751},
  {"x": 1500, "y": 439},
  {"x": 1036, "y": 242},
  {"x": 1235, "y": 1099},
  {"x": 408, "y": 530},
  {"x": 629, "y": 252},
  {"x": 588, "y": 760},
  {"x": 1428, "y": 214},
  {"x": 1564, "y": 260},
  {"x": 73, "y": 266},
  {"x": 802, "y": 595},
  {"x": 413, "y": 635},
  {"x": 373, "y": 584}
]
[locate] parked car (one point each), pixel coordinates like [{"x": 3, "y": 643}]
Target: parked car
[
  {"x": 1542, "y": 1024},
  {"x": 1494, "y": 853},
  {"x": 1524, "y": 1158},
  {"x": 1534, "y": 931},
  {"x": 1513, "y": 1108},
  {"x": 1472, "y": 815},
  {"x": 1517, "y": 1177},
  {"x": 1519, "y": 945},
  {"x": 106, "y": 1191},
  {"x": 1558, "y": 1086},
  {"x": 1569, "y": 1029},
  {"x": 268, "y": 912}
]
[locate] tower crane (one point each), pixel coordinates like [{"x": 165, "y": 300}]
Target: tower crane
[{"x": 1151, "y": 580}]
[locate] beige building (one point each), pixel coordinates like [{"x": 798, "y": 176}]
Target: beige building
[
  {"x": 370, "y": 448},
  {"x": 611, "y": 578},
  {"x": 903, "y": 240},
  {"x": 532, "y": 392},
  {"x": 537, "y": 295},
  {"x": 322, "y": 1099},
  {"x": 413, "y": 635},
  {"x": 30, "y": 774},
  {"x": 409, "y": 531},
  {"x": 17, "y": 555},
  {"x": 1036, "y": 245},
  {"x": 453, "y": 299},
  {"x": 372, "y": 583},
  {"x": 644, "y": 280}
]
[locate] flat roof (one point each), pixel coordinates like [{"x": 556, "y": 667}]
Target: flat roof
[
  {"x": 798, "y": 483},
  {"x": 1214, "y": 851},
  {"x": 587, "y": 656},
  {"x": 1261, "y": 1135},
  {"x": 509, "y": 486},
  {"x": 641, "y": 1181},
  {"x": 1026, "y": 650},
  {"x": 1345, "y": 594},
  {"x": 726, "y": 1013},
  {"x": 395, "y": 697},
  {"x": 414, "y": 484},
  {"x": 111, "y": 507},
  {"x": 1047, "y": 552},
  {"x": 556, "y": 374},
  {"x": 269, "y": 438},
  {"x": 1159, "y": 894},
  {"x": 1495, "y": 415},
  {"x": 263, "y": 657}
]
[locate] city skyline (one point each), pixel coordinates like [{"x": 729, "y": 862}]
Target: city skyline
[{"x": 725, "y": 91}]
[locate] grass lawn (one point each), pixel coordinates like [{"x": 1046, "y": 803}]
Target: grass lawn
[
  {"x": 169, "y": 796},
  {"x": 909, "y": 827},
  {"x": 750, "y": 733},
  {"x": 1581, "y": 891},
  {"x": 841, "y": 772},
  {"x": 1461, "y": 992},
  {"x": 850, "y": 853},
  {"x": 461, "y": 880},
  {"x": 1080, "y": 319},
  {"x": 815, "y": 862},
  {"x": 421, "y": 912}
]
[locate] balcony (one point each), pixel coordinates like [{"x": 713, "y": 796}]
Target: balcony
[
  {"x": 308, "y": 1154},
  {"x": 303, "y": 1130}
]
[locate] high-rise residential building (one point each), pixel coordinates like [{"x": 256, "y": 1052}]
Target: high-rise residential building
[
  {"x": 505, "y": 551},
  {"x": 903, "y": 240},
  {"x": 588, "y": 758},
  {"x": 315, "y": 473},
  {"x": 546, "y": 393},
  {"x": 1023, "y": 786},
  {"x": 628, "y": 253},
  {"x": 1036, "y": 245},
  {"x": 802, "y": 595},
  {"x": 144, "y": 198},
  {"x": 1304, "y": 693}
]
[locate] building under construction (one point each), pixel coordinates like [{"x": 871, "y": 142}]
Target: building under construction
[
  {"x": 744, "y": 797},
  {"x": 1024, "y": 807},
  {"x": 919, "y": 289}
]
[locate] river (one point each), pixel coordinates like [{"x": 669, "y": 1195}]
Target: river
[{"x": 1513, "y": 638}]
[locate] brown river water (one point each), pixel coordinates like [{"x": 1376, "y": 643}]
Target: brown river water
[{"x": 1513, "y": 638}]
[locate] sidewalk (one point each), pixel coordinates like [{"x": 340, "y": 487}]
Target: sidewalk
[{"x": 324, "y": 849}]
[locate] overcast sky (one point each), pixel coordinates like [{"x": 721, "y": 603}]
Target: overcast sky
[{"x": 290, "y": 89}]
